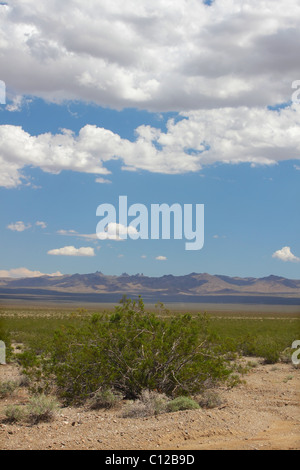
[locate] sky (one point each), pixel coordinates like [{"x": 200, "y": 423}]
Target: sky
[{"x": 184, "y": 102}]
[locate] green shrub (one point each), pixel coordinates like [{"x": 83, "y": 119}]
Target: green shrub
[
  {"x": 15, "y": 414},
  {"x": 262, "y": 346},
  {"x": 272, "y": 356},
  {"x": 105, "y": 399},
  {"x": 129, "y": 351},
  {"x": 42, "y": 408},
  {"x": 182, "y": 403},
  {"x": 7, "y": 388}
]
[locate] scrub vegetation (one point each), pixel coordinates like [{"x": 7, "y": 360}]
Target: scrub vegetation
[{"x": 104, "y": 357}]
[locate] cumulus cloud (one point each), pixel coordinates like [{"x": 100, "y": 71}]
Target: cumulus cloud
[
  {"x": 199, "y": 138},
  {"x": 153, "y": 55},
  {"x": 24, "y": 273},
  {"x": 117, "y": 232},
  {"x": 222, "y": 64},
  {"x": 54, "y": 153},
  {"x": 285, "y": 254},
  {"x": 18, "y": 226},
  {"x": 72, "y": 251},
  {"x": 161, "y": 258}
]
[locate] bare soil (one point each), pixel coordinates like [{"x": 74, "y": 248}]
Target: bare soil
[{"x": 261, "y": 414}]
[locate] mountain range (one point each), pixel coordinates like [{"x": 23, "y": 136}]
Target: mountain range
[{"x": 98, "y": 287}]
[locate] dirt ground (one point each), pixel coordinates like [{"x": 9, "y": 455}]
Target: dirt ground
[{"x": 261, "y": 414}]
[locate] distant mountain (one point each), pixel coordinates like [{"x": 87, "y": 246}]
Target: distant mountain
[{"x": 193, "y": 287}]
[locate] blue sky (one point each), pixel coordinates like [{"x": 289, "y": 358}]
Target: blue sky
[{"x": 187, "y": 116}]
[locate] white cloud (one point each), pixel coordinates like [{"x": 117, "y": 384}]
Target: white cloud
[
  {"x": 24, "y": 273},
  {"x": 200, "y": 138},
  {"x": 72, "y": 251},
  {"x": 73, "y": 233},
  {"x": 17, "y": 104},
  {"x": 18, "y": 226},
  {"x": 41, "y": 224},
  {"x": 154, "y": 55},
  {"x": 54, "y": 153},
  {"x": 21, "y": 226},
  {"x": 285, "y": 254},
  {"x": 69, "y": 233},
  {"x": 221, "y": 64},
  {"x": 117, "y": 232},
  {"x": 102, "y": 181},
  {"x": 161, "y": 258}
]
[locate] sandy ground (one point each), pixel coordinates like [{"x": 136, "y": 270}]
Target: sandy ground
[{"x": 261, "y": 414}]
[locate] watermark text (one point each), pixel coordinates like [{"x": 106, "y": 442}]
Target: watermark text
[
  {"x": 2, "y": 353},
  {"x": 2, "y": 92},
  {"x": 296, "y": 354},
  {"x": 162, "y": 221}
]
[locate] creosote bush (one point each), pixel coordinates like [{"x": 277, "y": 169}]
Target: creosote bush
[
  {"x": 261, "y": 346},
  {"x": 129, "y": 351}
]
